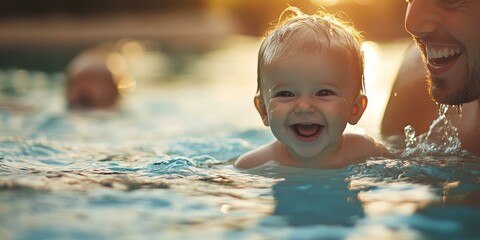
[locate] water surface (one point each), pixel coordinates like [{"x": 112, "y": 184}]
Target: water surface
[{"x": 160, "y": 167}]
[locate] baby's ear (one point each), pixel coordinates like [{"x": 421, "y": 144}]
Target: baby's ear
[
  {"x": 262, "y": 109},
  {"x": 359, "y": 106}
]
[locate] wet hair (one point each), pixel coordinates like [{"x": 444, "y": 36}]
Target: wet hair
[{"x": 302, "y": 33}]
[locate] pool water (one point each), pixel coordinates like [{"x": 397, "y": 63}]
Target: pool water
[{"x": 160, "y": 166}]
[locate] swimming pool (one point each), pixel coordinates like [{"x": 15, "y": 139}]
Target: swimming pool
[{"x": 160, "y": 167}]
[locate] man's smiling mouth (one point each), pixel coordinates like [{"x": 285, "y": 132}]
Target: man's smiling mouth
[
  {"x": 307, "y": 131},
  {"x": 438, "y": 56}
]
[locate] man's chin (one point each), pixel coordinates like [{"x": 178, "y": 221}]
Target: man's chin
[{"x": 444, "y": 95}]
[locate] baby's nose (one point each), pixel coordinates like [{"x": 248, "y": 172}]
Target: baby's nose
[{"x": 304, "y": 105}]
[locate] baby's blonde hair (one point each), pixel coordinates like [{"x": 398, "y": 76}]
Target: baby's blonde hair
[{"x": 302, "y": 33}]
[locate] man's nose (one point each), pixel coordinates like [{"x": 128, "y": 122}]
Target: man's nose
[
  {"x": 304, "y": 105},
  {"x": 421, "y": 17}
]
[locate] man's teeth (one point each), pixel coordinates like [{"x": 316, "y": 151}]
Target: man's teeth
[{"x": 442, "y": 52}]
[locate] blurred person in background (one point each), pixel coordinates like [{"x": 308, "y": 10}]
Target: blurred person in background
[{"x": 90, "y": 83}]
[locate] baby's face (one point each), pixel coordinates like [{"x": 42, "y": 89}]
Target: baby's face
[{"x": 309, "y": 100}]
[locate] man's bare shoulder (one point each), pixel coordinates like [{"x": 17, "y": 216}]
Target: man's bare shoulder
[{"x": 257, "y": 157}]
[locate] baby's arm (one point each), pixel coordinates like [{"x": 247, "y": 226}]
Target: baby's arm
[{"x": 257, "y": 157}]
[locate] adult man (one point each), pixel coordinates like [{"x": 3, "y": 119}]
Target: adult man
[{"x": 447, "y": 33}]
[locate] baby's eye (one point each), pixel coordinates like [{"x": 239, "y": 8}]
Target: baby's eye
[
  {"x": 324, "y": 92},
  {"x": 284, "y": 94}
]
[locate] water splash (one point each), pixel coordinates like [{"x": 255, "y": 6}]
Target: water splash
[
  {"x": 168, "y": 165},
  {"x": 410, "y": 138},
  {"x": 440, "y": 140},
  {"x": 442, "y": 110}
]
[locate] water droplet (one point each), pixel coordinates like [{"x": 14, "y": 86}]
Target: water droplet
[
  {"x": 459, "y": 110},
  {"x": 410, "y": 138},
  {"x": 443, "y": 108}
]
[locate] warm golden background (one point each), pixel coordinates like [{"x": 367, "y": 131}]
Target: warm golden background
[{"x": 31, "y": 31}]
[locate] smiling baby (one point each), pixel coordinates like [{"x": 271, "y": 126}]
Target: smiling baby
[{"x": 310, "y": 86}]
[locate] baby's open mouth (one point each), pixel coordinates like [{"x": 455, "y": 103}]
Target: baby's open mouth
[{"x": 306, "y": 130}]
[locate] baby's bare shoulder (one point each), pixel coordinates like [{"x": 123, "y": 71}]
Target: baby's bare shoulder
[
  {"x": 358, "y": 138},
  {"x": 365, "y": 144},
  {"x": 257, "y": 157}
]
